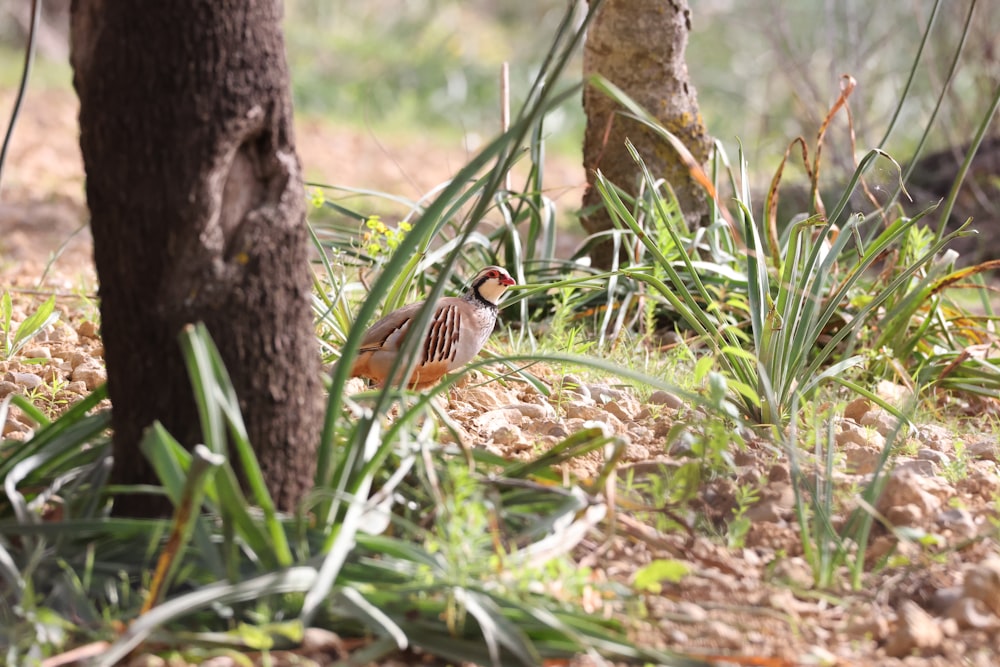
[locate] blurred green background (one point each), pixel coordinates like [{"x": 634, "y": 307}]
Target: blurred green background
[{"x": 766, "y": 71}]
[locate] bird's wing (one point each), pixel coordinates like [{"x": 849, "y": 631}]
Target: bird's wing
[{"x": 388, "y": 332}]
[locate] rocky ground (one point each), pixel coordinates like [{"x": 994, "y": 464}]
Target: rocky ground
[{"x": 748, "y": 594}]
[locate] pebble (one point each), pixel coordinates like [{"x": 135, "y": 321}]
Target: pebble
[
  {"x": 91, "y": 376},
  {"x": 795, "y": 571},
  {"x": 861, "y": 459},
  {"x": 875, "y": 627},
  {"x": 492, "y": 420},
  {"x": 881, "y": 421},
  {"x": 938, "y": 457},
  {"x": 959, "y": 521},
  {"x": 602, "y": 393},
  {"x": 77, "y": 387},
  {"x": 916, "y": 630},
  {"x": 935, "y": 436},
  {"x": 851, "y": 433},
  {"x": 87, "y": 329},
  {"x": 636, "y": 453},
  {"x": 725, "y": 634},
  {"x": 908, "y": 498},
  {"x": 574, "y": 385},
  {"x": 318, "y": 640},
  {"x": 581, "y": 410},
  {"x": 892, "y": 392},
  {"x": 482, "y": 398},
  {"x": 984, "y": 450},
  {"x": 12, "y": 426},
  {"x": 982, "y": 582},
  {"x": 506, "y": 435},
  {"x": 533, "y": 410},
  {"x": 27, "y": 380},
  {"x": 972, "y": 613},
  {"x": 856, "y": 409},
  {"x": 695, "y": 613},
  {"x": 39, "y": 352},
  {"x": 63, "y": 334},
  {"x": 771, "y": 510},
  {"x": 557, "y": 431},
  {"x": 981, "y": 481},
  {"x": 219, "y": 661},
  {"x": 924, "y": 467},
  {"x": 618, "y": 409},
  {"x": 665, "y": 398}
]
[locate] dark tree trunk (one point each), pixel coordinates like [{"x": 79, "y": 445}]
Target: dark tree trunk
[
  {"x": 197, "y": 212},
  {"x": 639, "y": 46}
]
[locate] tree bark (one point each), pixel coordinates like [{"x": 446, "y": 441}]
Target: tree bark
[
  {"x": 198, "y": 213},
  {"x": 639, "y": 46}
]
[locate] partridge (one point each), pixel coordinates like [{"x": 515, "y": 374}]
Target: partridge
[{"x": 458, "y": 330}]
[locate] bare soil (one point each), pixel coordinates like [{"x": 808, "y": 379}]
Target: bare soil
[{"x": 750, "y": 601}]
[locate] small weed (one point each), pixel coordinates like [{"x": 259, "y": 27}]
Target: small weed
[
  {"x": 957, "y": 467},
  {"x": 48, "y": 397},
  {"x": 666, "y": 488},
  {"x": 15, "y": 338},
  {"x": 746, "y": 495}
]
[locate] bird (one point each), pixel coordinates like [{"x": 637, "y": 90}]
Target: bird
[{"x": 459, "y": 328}]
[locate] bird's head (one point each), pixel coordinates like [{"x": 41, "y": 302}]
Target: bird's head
[{"x": 491, "y": 282}]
